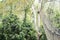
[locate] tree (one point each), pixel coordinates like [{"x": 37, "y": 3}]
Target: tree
[{"x": 11, "y": 28}]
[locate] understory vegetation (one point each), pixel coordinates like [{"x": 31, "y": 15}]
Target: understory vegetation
[{"x": 12, "y": 29}]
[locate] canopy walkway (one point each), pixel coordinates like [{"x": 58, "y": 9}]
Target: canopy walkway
[{"x": 52, "y": 33}]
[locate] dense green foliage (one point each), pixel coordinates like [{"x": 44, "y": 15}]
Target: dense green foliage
[
  {"x": 10, "y": 28},
  {"x": 54, "y": 16},
  {"x": 13, "y": 30},
  {"x": 52, "y": 10}
]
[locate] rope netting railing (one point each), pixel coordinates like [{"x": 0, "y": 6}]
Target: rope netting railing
[{"x": 51, "y": 31}]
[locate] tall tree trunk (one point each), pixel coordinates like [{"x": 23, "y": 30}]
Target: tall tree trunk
[{"x": 36, "y": 21}]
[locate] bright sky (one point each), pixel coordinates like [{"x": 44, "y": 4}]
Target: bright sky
[
  {"x": 0, "y": 0},
  {"x": 36, "y": 1}
]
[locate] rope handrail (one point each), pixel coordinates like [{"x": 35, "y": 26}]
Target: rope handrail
[{"x": 49, "y": 26}]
